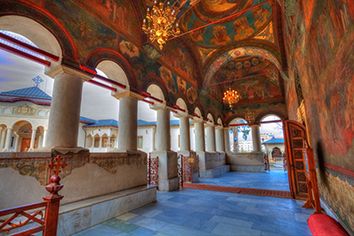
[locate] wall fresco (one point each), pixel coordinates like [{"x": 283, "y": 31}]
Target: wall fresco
[
  {"x": 239, "y": 28},
  {"x": 320, "y": 49}
]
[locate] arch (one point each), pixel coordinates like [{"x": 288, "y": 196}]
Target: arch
[
  {"x": 262, "y": 115},
  {"x": 96, "y": 141},
  {"x": 22, "y": 133},
  {"x": 182, "y": 104},
  {"x": 113, "y": 71},
  {"x": 108, "y": 54},
  {"x": 198, "y": 112},
  {"x": 219, "y": 121},
  {"x": 104, "y": 141},
  {"x": 238, "y": 120},
  {"x": 210, "y": 118},
  {"x": 13, "y": 17},
  {"x": 239, "y": 52},
  {"x": 156, "y": 92}
]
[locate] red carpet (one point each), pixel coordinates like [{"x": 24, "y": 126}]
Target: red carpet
[{"x": 249, "y": 191}]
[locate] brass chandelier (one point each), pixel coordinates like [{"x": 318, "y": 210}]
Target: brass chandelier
[
  {"x": 231, "y": 97},
  {"x": 160, "y": 23}
]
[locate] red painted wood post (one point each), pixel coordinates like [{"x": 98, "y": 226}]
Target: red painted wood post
[{"x": 53, "y": 199}]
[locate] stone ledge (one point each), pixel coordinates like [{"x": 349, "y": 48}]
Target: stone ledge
[
  {"x": 80, "y": 215},
  {"x": 215, "y": 172}
]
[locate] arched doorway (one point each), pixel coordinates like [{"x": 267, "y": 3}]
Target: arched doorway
[
  {"x": 22, "y": 137},
  {"x": 240, "y": 136}
]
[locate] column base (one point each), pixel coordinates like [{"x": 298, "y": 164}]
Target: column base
[{"x": 168, "y": 173}]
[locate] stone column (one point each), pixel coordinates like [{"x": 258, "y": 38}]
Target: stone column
[
  {"x": 210, "y": 138},
  {"x": 2, "y": 138},
  {"x": 199, "y": 136},
  {"x": 163, "y": 134},
  {"x": 128, "y": 126},
  {"x": 8, "y": 139},
  {"x": 64, "y": 114},
  {"x": 256, "y": 138},
  {"x": 184, "y": 134},
  {"x": 168, "y": 173},
  {"x": 100, "y": 142},
  {"x": 33, "y": 139},
  {"x": 44, "y": 137},
  {"x": 219, "y": 137},
  {"x": 227, "y": 139}
]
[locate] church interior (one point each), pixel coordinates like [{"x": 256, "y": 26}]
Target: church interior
[{"x": 176, "y": 117}]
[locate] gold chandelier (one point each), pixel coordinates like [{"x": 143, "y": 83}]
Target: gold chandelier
[
  {"x": 160, "y": 23},
  {"x": 231, "y": 97}
]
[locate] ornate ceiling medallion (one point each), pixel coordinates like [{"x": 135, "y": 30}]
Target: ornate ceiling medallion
[
  {"x": 231, "y": 97},
  {"x": 160, "y": 23}
]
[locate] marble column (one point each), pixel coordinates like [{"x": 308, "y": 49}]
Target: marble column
[
  {"x": 64, "y": 114},
  {"x": 256, "y": 138},
  {"x": 210, "y": 138},
  {"x": 184, "y": 134},
  {"x": 219, "y": 137},
  {"x": 128, "y": 127},
  {"x": 199, "y": 136},
  {"x": 168, "y": 172},
  {"x": 227, "y": 139},
  {"x": 33, "y": 139},
  {"x": 8, "y": 139}
]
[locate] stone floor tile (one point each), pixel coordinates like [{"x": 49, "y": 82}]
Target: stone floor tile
[
  {"x": 127, "y": 216},
  {"x": 228, "y": 229}
]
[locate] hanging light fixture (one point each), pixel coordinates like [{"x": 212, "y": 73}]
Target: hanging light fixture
[
  {"x": 160, "y": 23},
  {"x": 231, "y": 97}
]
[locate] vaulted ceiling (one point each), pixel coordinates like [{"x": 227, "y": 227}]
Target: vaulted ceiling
[{"x": 237, "y": 47}]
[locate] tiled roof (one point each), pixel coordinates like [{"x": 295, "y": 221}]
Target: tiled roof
[
  {"x": 110, "y": 122},
  {"x": 274, "y": 141},
  {"x": 107, "y": 122},
  {"x": 30, "y": 92}
]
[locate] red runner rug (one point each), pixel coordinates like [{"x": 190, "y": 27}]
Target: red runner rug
[{"x": 249, "y": 191}]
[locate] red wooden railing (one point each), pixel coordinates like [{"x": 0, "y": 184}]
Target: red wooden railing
[{"x": 39, "y": 217}]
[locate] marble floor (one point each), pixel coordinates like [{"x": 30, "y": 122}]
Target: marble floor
[
  {"x": 272, "y": 180},
  {"x": 194, "y": 212}
]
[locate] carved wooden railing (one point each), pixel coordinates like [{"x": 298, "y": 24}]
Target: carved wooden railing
[
  {"x": 37, "y": 217},
  {"x": 153, "y": 170}
]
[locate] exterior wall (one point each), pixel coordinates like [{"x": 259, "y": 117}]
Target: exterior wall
[
  {"x": 148, "y": 135},
  {"x": 320, "y": 36},
  {"x": 175, "y": 144},
  {"x": 81, "y": 139}
]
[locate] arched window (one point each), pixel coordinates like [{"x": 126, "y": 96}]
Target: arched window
[
  {"x": 96, "y": 141},
  {"x": 240, "y": 136}
]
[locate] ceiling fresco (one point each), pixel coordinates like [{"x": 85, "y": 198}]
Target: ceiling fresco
[{"x": 240, "y": 27}]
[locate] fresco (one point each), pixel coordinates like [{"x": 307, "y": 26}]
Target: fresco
[
  {"x": 221, "y": 34},
  {"x": 116, "y": 14},
  {"x": 322, "y": 54},
  {"x": 266, "y": 34},
  {"x": 239, "y": 68},
  {"x": 222, "y": 6},
  {"x": 178, "y": 58},
  {"x": 239, "y": 52}
]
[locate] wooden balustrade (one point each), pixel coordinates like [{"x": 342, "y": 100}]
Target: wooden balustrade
[{"x": 37, "y": 217}]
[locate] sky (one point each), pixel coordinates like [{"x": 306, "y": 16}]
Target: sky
[{"x": 97, "y": 103}]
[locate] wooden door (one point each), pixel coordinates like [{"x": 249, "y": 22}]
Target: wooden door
[
  {"x": 25, "y": 144},
  {"x": 296, "y": 143}
]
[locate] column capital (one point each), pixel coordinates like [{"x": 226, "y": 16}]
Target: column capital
[
  {"x": 62, "y": 69},
  {"x": 127, "y": 93},
  {"x": 159, "y": 106}
]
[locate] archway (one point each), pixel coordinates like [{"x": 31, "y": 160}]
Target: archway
[
  {"x": 240, "y": 136},
  {"x": 22, "y": 138},
  {"x": 272, "y": 139}
]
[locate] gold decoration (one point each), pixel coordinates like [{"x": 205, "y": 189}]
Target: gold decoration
[
  {"x": 231, "y": 97},
  {"x": 250, "y": 117},
  {"x": 160, "y": 23}
]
